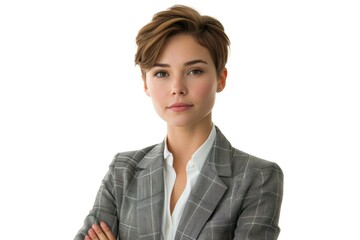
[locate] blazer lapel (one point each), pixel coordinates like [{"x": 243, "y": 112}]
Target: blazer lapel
[
  {"x": 208, "y": 190},
  {"x": 150, "y": 194}
]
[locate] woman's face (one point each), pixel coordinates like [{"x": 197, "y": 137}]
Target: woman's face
[{"x": 183, "y": 82}]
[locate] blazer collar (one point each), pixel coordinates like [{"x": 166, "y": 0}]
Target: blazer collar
[
  {"x": 219, "y": 158},
  {"x": 208, "y": 190},
  {"x": 203, "y": 198},
  {"x": 154, "y": 158}
]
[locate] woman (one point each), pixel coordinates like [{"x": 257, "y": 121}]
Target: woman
[{"x": 193, "y": 185}]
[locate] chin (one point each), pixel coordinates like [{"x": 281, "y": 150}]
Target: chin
[
  {"x": 186, "y": 121},
  {"x": 180, "y": 123}
]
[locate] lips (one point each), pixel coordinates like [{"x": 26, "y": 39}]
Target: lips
[{"x": 179, "y": 107}]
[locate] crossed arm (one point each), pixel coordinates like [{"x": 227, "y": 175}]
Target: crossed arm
[{"x": 261, "y": 201}]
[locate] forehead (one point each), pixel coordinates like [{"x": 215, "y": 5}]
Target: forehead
[{"x": 183, "y": 47}]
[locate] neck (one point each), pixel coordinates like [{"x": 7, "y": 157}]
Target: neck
[{"x": 184, "y": 141}]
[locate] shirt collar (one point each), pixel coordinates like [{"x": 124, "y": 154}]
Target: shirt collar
[{"x": 200, "y": 154}]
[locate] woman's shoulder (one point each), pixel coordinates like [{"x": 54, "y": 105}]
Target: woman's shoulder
[
  {"x": 254, "y": 161},
  {"x": 242, "y": 160},
  {"x": 251, "y": 163}
]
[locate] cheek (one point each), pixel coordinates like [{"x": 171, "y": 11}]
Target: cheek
[
  {"x": 156, "y": 94},
  {"x": 205, "y": 90},
  {"x": 150, "y": 88}
]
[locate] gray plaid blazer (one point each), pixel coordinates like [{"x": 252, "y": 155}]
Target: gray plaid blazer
[{"x": 236, "y": 196}]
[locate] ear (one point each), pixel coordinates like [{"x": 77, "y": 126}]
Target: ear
[
  {"x": 146, "y": 89},
  {"x": 222, "y": 80}
]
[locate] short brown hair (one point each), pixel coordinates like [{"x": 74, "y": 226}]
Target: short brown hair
[{"x": 208, "y": 31}]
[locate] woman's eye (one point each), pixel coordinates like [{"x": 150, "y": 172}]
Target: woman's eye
[
  {"x": 195, "y": 72},
  {"x": 161, "y": 74}
]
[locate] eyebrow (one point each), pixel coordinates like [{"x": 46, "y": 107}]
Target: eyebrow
[{"x": 185, "y": 64}]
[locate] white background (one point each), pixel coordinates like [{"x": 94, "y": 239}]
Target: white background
[{"x": 71, "y": 98}]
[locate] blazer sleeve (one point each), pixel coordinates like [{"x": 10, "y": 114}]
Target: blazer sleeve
[
  {"x": 260, "y": 211},
  {"x": 104, "y": 208}
]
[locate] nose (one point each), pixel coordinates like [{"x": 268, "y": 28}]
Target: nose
[{"x": 179, "y": 86}]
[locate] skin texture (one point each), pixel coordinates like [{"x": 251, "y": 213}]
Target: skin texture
[{"x": 183, "y": 86}]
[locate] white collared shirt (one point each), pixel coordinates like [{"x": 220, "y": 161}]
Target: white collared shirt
[{"x": 170, "y": 221}]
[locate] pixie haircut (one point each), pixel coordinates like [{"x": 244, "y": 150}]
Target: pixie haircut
[{"x": 206, "y": 30}]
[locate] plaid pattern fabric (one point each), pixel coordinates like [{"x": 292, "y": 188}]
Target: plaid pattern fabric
[{"x": 237, "y": 196}]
